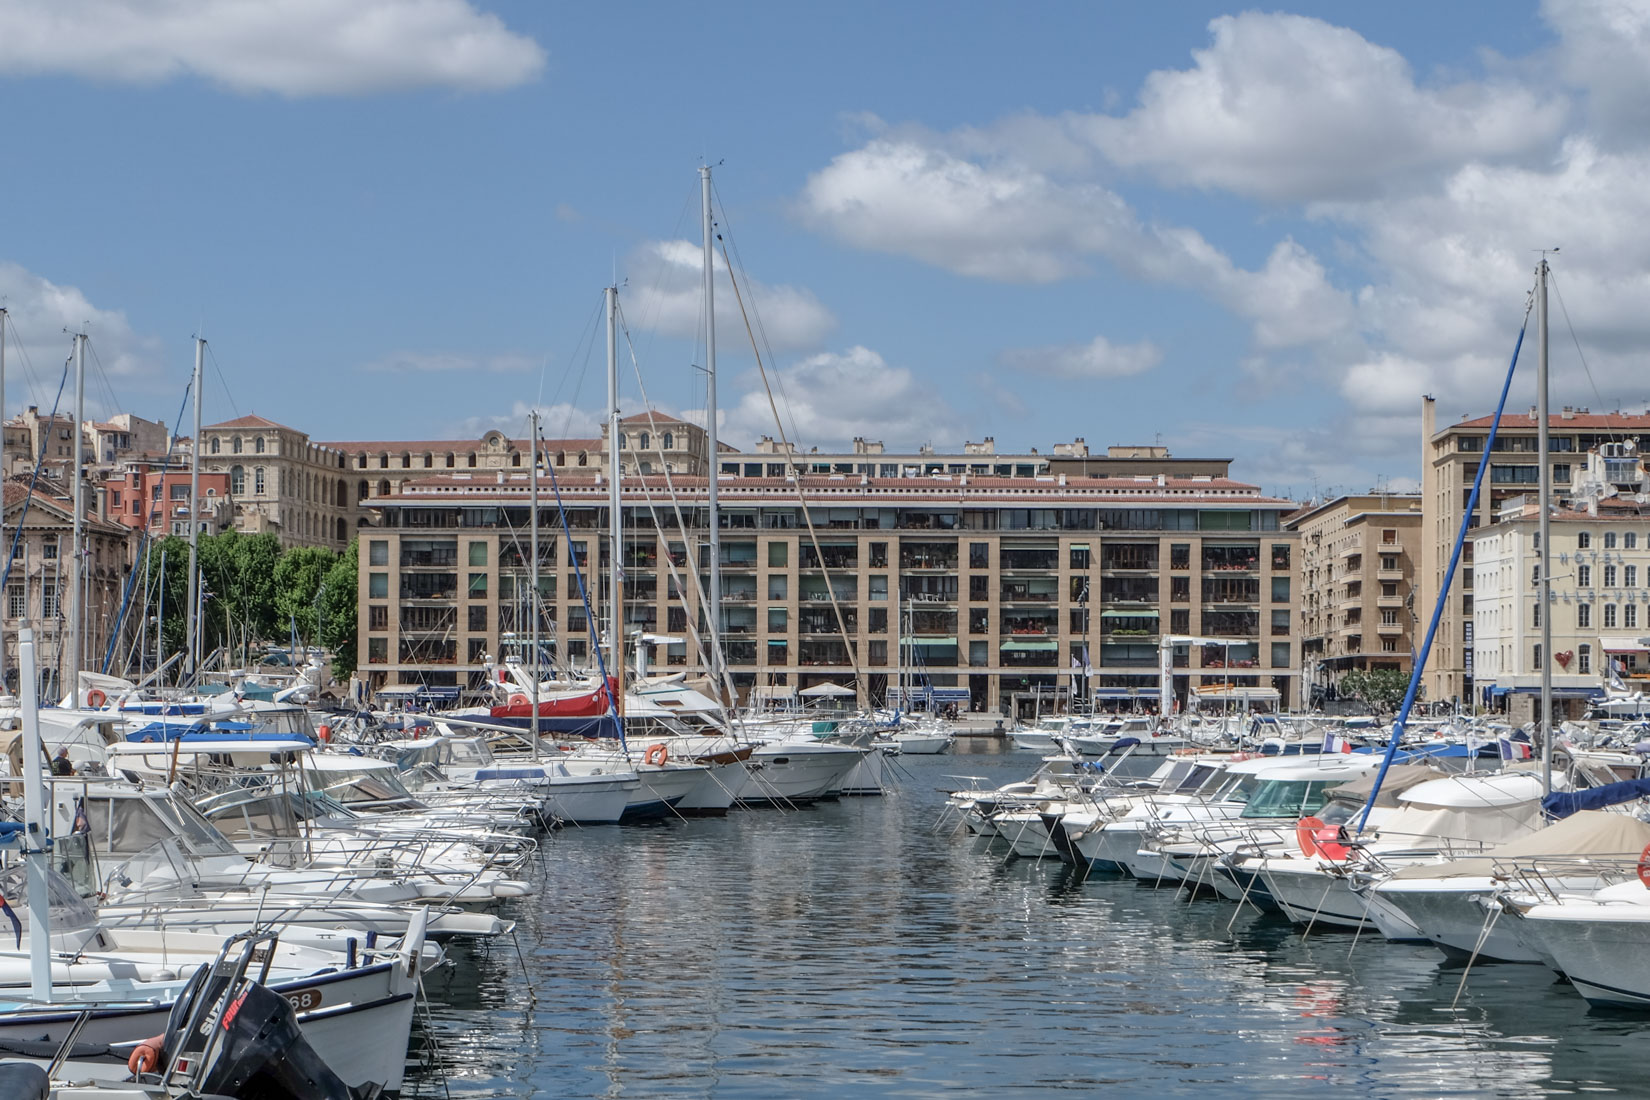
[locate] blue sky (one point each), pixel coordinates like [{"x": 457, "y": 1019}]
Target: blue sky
[{"x": 1254, "y": 234}]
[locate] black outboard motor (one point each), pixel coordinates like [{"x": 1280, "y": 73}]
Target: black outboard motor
[{"x": 230, "y": 1036}]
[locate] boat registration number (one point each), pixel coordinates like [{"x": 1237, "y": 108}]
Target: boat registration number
[{"x": 304, "y": 1000}]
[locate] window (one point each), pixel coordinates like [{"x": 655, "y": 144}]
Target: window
[
  {"x": 235, "y": 445},
  {"x": 878, "y": 622},
  {"x": 1609, "y": 540},
  {"x": 979, "y": 555},
  {"x": 1079, "y": 557},
  {"x": 1280, "y": 654},
  {"x": 777, "y": 619},
  {"x": 478, "y": 586},
  {"x": 48, "y": 547},
  {"x": 1609, "y": 576},
  {"x": 17, "y": 601},
  {"x": 1609, "y": 615},
  {"x": 778, "y": 554},
  {"x": 258, "y": 481},
  {"x": 1630, "y": 540},
  {"x": 214, "y": 447},
  {"x": 237, "y": 480},
  {"x": 378, "y": 552},
  {"x": 1629, "y": 575},
  {"x": 1584, "y": 659},
  {"x": 879, "y": 587},
  {"x": 647, "y": 441},
  {"x": 378, "y": 586},
  {"x": 1584, "y": 615},
  {"x": 1389, "y": 618},
  {"x": 378, "y": 617},
  {"x": 1584, "y": 539},
  {"x": 1584, "y": 576},
  {"x": 1630, "y": 615},
  {"x": 979, "y": 588},
  {"x": 1537, "y": 620},
  {"x": 48, "y": 601},
  {"x": 378, "y": 651},
  {"x": 670, "y": 441},
  {"x": 478, "y": 618},
  {"x": 1535, "y": 657},
  {"x": 478, "y": 553},
  {"x": 1389, "y": 645},
  {"x": 258, "y": 445}
]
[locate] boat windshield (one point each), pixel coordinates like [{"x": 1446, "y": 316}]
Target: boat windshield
[
  {"x": 1236, "y": 788},
  {"x": 203, "y": 837},
  {"x": 1289, "y": 798},
  {"x": 64, "y": 907},
  {"x": 1195, "y": 779}
]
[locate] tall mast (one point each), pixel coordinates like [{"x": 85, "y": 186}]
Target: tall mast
[
  {"x": 533, "y": 574},
  {"x": 714, "y": 595},
  {"x": 1544, "y": 589},
  {"x": 615, "y": 518},
  {"x": 191, "y": 617},
  {"x": 77, "y": 610},
  {"x": 4, "y": 317}
]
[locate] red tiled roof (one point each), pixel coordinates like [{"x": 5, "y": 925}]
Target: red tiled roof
[
  {"x": 1606, "y": 421},
  {"x": 654, "y": 417},
  {"x": 457, "y": 446},
  {"x": 251, "y": 420}
]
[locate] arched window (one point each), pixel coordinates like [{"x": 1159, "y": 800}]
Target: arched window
[
  {"x": 340, "y": 495},
  {"x": 670, "y": 441},
  {"x": 361, "y": 461},
  {"x": 450, "y": 462},
  {"x": 235, "y": 445},
  {"x": 515, "y": 459},
  {"x": 429, "y": 460},
  {"x": 584, "y": 459},
  {"x": 561, "y": 458},
  {"x": 258, "y": 480},
  {"x": 621, "y": 441},
  {"x": 383, "y": 460},
  {"x": 645, "y": 441},
  {"x": 406, "y": 460},
  {"x": 237, "y": 480},
  {"x": 470, "y": 461},
  {"x": 361, "y": 490},
  {"x": 647, "y": 468},
  {"x": 258, "y": 445},
  {"x": 343, "y": 531},
  {"x": 384, "y": 487},
  {"x": 214, "y": 444}
]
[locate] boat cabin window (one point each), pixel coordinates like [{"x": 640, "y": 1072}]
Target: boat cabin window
[
  {"x": 470, "y": 752},
  {"x": 1177, "y": 772},
  {"x": 203, "y": 837},
  {"x": 1288, "y": 798},
  {"x": 1195, "y": 778},
  {"x": 124, "y": 826},
  {"x": 64, "y": 908},
  {"x": 1236, "y": 788}
]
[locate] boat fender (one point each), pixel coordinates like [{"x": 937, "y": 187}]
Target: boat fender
[
  {"x": 519, "y": 700},
  {"x": 324, "y": 733},
  {"x": 1644, "y": 866},
  {"x": 96, "y": 698},
  {"x": 145, "y": 1057},
  {"x": 657, "y": 755}
]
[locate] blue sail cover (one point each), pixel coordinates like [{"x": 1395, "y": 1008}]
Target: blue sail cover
[{"x": 1561, "y": 804}]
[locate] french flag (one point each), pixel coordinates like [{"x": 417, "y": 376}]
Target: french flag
[
  {"x": 1516, "y": 750},
  {"x": 1334, "y": 742}
]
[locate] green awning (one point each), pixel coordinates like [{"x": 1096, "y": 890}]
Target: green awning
[
  {"x": 1018, "y": 646},
  {"x": 934, "y": 641},
  {"x": 1128, "y": 614},
  {"x": 1079, "y": 546},
  {"x": 777, "y": 641}
]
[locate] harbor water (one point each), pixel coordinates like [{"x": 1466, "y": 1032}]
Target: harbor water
[{"x": 851, "y": 949}]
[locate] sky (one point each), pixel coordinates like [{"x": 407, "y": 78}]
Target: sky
[{"x": 1260, "y": 235}]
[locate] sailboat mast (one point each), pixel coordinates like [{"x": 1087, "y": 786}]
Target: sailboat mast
[
  {"x": 35, "y": 812},
  {"x": 4, "y": 317},
  {"x": 615, "y": 517},
  {"x": 714, "y": 595},
  {"x": 191, "y": 620},
  {"x": 533, "y": 574},
  {"x": 1544, "y": 589},
  {"x": 77, "y": 610}
]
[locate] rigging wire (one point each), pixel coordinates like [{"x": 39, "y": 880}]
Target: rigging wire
[
  {"x": 1592, "y": 382},
  {"x": 213, "y": 355},
  {"x": 31, "y": 380}
]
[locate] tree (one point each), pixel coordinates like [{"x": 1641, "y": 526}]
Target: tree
[
  {"x": 338, "y": 609},
  {"x": 1383, "y": 688},
  {"x": 298, "y": 579}
]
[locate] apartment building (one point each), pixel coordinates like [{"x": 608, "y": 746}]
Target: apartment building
[
  {"x": 281, "y": 483},
  {"x": 1356, "y": 571},
  {"x": 1450, "y": 457},
  {"x": 1600, "y": 591},
  {"x": 37, "y": 584},
  {"x": 151, "y": 493},
  {"x": 1012, "y": 588}
]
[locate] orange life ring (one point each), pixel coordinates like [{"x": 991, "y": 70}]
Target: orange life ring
[
  {"x": 1306, "y": 835},
  {"x": 520, "y": 700},
  {"x": 656, "y": 755},
  {"x": 96, "y": 698},
  {"x": 1644, "y": 866}
]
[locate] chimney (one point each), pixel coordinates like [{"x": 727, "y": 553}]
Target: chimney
[{"x": 1568, "y": 413}]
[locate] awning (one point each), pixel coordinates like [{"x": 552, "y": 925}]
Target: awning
[
  {"x": 933, "y": 641},
  {"x": 777, "y": 641},
  {"x": 1624, "y": 643},
  {"x": 1148, "y": 614},
  {"x": 1079, "y": 546},
  {"x": 1017, "y": 646}
]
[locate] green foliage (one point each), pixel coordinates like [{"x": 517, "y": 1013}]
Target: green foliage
[
  {"x": 1383, "y": 688},
  {"x": 338, "y": 605},
  {"x": 253, "y": 591}
]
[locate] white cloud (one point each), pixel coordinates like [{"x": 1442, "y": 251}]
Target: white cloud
[
  {"x": 1604, "y": 47},
  {"x": 290, "y": 47},
  {"x": 1099, "y": 358},
  {"x": 40, "y": 311},
  {"x": 1286, "y": 107},
  {"x": 426, "y": 362},
  {"x": 667, "y": 295},
  {"x": 828, "y": 399},
  {"x": 559, "y": 421}
]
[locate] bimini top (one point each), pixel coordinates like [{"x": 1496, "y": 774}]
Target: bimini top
[
  {"x": 1471, "y": 792},
  {"x": 1334, "y": 767}
]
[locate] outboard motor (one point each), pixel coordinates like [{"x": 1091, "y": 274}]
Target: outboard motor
[{"x": 231, "y": 1036}]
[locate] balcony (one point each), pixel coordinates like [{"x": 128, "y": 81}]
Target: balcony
[
  {"x": 1389, "y": 630},
  {"x": 1389, "y": 601},
  {"x": 1394, "y": 547},
  {"x": 1389, "y": 574}
]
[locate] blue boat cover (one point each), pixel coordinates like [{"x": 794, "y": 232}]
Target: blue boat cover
[{"x": 1561, "y": 804}]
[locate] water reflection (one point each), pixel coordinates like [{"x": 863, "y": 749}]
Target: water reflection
[{"x": 851, "y": 949}]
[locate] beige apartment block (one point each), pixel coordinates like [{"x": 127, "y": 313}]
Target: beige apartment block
[
  {"x": 1356, "y": 573},
  {"x": 1015, "y": 590},
  {"x": 281, "y": 483},
  {"x": 1450, "y": 457}
]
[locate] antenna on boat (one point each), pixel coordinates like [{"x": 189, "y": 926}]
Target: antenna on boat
[{"x": 1545, "y": 590}]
